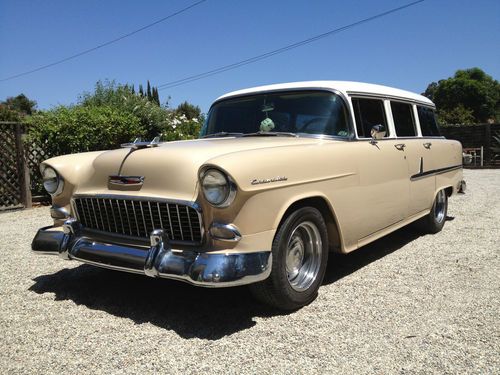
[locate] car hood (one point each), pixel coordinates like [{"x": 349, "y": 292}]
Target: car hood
[{"x": 171, "y": 169}]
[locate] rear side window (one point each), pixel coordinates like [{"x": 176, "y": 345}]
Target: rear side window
[
  {"x": 428, "y": 123},
  {"x": 404, "y": 123},
  {"x": 368, "y": 113}
]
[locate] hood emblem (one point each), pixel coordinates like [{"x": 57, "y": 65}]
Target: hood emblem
[
  {"x": 257, "y": 181},
  {"x": 126, "y": 180}
]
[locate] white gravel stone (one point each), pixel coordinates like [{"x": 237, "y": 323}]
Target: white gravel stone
[{"x": 404, "y": 304}]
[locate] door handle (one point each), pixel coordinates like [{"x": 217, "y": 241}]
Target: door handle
[
  {"x": 427, "y": 145},
  {"x": 400, "y": 146}
]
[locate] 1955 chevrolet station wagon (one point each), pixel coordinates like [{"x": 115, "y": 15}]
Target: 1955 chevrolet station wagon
[{"x": 280, "y": 176}]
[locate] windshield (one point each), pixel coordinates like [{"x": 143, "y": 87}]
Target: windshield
[{"x": 281, "y": 113}]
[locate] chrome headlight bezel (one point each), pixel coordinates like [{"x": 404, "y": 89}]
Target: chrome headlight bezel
[
  {"x": 53, "y": 183},
  {"x": 227, "y": 186}
]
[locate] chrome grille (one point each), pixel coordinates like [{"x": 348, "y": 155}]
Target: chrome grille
[{"x": 138, "y": 217}]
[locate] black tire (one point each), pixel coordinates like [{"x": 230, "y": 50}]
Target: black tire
[
  {"x": 277, "y": 290},
  {"x": 434, "y": 221}
]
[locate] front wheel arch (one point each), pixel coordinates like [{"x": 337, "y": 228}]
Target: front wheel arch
[{"x": 322, "y": 205}]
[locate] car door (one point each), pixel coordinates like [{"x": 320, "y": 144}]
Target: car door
[
  {"x": 418, "y": 153},
  {"x": 383, "y": 171}
]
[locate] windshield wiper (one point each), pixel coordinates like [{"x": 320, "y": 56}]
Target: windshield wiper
[
  {"x": 270, "y": 134},
  {"x": 222, "y": 134}
]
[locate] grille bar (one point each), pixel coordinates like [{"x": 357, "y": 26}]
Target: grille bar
[{"x": 138, "y": 217}]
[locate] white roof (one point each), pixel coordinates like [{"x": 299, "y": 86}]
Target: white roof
[{"x": 345, "y": 87}]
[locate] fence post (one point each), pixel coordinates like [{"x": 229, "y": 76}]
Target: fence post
[
  {"x": 24, "y": 173},
  {"x": 487, "y": 141}
]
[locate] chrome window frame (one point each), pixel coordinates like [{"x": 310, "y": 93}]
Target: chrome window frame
[
  {"x": 416, "y": 127},
  {"x": 346, "y": 102},
  {"x": 388, "y": 118}
]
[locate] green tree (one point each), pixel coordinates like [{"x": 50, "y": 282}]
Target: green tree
[
  {"x": 152, "y": 117},
  {"x": 15, "y": 108},
  {"x": 156, "y": 96},
  {"x": 155, "y": 119},
  {"x": 470, "y": 94},
  {"x": 189, "y": 110},
  {"x": 148, "y": 92},
  {"x": 7, "y": 114}
]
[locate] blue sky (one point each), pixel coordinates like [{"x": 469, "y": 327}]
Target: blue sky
[{"x": 408, "y": 49}]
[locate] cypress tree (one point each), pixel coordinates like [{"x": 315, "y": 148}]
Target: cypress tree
[
  {"x": 149, "y": 92},
  {"x": 141, "y": 91},
  {"x": 133, "y": 90},
  {"x": 156, "y": 96}
]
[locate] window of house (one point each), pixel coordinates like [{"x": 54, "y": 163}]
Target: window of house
[
  {"x": 428, "y": 123},
  {"x": 402, "y": 113},
  {"x": 368, "y": 113}
]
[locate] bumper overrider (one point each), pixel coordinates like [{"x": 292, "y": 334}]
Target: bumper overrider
[{"x": 159, "y": 260}]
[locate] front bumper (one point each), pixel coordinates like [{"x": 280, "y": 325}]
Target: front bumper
[{"x": 159, "y": 260}]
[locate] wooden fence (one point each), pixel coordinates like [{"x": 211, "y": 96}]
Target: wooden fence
[
  {"x": 20, "y": 177},
  {"x": 475, "y": 136},
  {"x": 15, "y": 189}
]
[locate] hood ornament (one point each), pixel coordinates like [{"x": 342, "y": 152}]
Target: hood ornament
[
  {"x": 139, "y": 143},
  {"x": 126, "y": 180}
]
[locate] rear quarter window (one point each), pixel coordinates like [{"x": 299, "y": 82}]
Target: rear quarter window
[{"x": 428, "y": 123}]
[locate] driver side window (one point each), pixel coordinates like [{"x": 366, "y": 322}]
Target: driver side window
[{"x": 368, "y": 113}]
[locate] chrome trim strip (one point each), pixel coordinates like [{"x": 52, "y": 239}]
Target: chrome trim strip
[
  {"x": 434, "y": 172},
  {"x": 180, "y": 223},
  {"x": 135, "y": 218},
  {"x": 143, "y": 218},
  {"x": 230, "y": 227},
  {"x": 59, "y": 213},
  {"x": 192, "y": 204},
  {"x": 159, "y": 214},
  {"x": 128, "y": 217},
  {"x": 170, "y": 220},
  {"x": 361, "y": 94},
  {"x": 151, "y": 215},
  {"x": 95, "y": 214},
  {"x": 190, "y": 225},
  {"x": 113, "y": 214}
]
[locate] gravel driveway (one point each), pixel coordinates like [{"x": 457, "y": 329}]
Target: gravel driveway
[{"x": 404, "y": 304}]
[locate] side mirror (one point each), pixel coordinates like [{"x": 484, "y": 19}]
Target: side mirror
[{"x": 378, "y": 132}]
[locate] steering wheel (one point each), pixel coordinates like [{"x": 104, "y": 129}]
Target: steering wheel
[{"x": 310, "y": 123}]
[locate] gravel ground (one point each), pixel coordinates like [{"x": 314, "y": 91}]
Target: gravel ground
[{"x": 404, "y": 304}]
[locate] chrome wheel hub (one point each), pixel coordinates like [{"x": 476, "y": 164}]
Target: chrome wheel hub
[
  {"x": 303, "y": 255},
  {"x": 440, "y": 206}
]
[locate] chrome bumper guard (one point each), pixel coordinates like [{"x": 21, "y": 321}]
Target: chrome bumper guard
[{"x": 159, "y": 260}]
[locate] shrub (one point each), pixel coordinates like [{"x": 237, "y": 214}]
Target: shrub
[{"x": 66, "y": 130}]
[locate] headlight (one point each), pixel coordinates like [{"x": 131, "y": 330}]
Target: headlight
[
  {"x": 217, "y": 188},
  {"x": 52, "y": 182}
]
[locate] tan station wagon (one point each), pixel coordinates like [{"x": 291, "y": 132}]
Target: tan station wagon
[{"x": 280, "y": 176}]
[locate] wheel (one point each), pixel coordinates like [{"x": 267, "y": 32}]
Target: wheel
[
  {"x": 300, "y": 254},
  {"x": 434, "y": 221}
]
